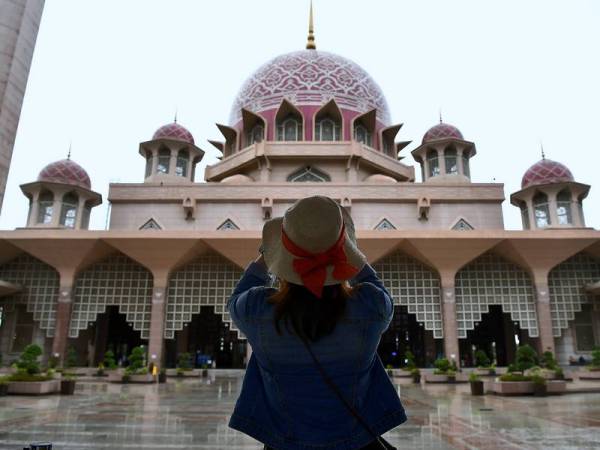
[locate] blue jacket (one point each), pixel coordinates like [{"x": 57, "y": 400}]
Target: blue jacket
[{"x": 284, "y": 401}]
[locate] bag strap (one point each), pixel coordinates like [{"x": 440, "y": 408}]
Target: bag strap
[{"x": 340, "y": 396}]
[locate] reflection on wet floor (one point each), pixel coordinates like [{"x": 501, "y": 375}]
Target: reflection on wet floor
[{"x": 193, "y": 414}]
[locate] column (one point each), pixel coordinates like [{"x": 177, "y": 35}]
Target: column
[
  {"x": 173, "y": 162},
  {"x": 441, "y": 160},
  {"x": 544, "y": 316},
  {"x": 425, "y": 168},
  {"x": 63, "y": 318},
  {"x": 552, "y": 207},
  {"x": 56, "y": 208},
  {"x": 449, "y": 319},
  {"x": 459, "y": 161},
  {"x": 80, "y": 208},
  {"x": 154, "y": 162},
  {"x": 35, "y": 209},
  {"x": 157, "y": 326}
]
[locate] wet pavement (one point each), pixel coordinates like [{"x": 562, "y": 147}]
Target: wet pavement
[{"x": 193, "y": 414}]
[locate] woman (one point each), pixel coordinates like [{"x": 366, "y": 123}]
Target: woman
[{"x": 342, "y": 397}]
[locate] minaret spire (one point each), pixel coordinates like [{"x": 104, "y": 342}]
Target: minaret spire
[
  {"x": 310, "y": 44},
  {"x": 69, "y": 154},
  {"x": 542, "y": 147}
]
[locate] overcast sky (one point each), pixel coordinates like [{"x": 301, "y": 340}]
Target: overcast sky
[{"x": 509, "y": 74}]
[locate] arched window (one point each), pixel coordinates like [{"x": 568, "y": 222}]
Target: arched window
[
  {"x": 183, "y": 159},
  {"x": 46, "y": 202},
  {"x": 362, "y": 134},
  {"x": 451, "y": 162},
  {"x": 465, "y": 163},
  {"x": 290, "y": 128},
  {"x": 164, "y": 157},
  {"x": 256, "y": 134},
  {"x": 433, "y": 162},
  {"x": 328, "y": 129},
  {"x": 563, "y": 207},
  {"x": 541, "y": 210},
  {"x": 68, "y": 212},
  {"x": 308, "y": 173},
  {"x": 148, "y": 164}
]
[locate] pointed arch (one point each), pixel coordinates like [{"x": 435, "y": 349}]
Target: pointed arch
[
  {"x": 492, "y": 280},
  {"x": 414, "y": 285},
  {"x": 254, "y": 127},
  {"x": 39, "y": 285},
  {"x": 567, "y": 288},
  {"x": 308, "y": 173},
  {"x": 289, "y": 122},
  {"x": 328, "y": 123},
  {"x": 209, "y": 280},
  {"x": 363, "y": 128},
  {"x": 115, "y": 280}
]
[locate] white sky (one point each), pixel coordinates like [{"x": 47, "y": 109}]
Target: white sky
[{"x": 509, "y": 74}]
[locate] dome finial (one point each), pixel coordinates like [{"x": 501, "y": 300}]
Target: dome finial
[
  {"x": 542, "y": 147},
  {"x": 310, "y": 44},
  {"x": 175, "y": 120},
  {"x": 69, "y": 154},
  {"x": 440, "y": 115}
]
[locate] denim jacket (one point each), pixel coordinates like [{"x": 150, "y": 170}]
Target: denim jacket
[{"x": 284, "y": 401}]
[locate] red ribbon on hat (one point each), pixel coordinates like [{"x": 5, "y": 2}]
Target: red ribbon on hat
[{"x": 312, "y": 267}]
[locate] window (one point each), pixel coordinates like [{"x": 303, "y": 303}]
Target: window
[
  {"x": 183, "y": 158},
  {"x": 541, "y": 210},
  {"x": 451, "y": 162},
  {"x": 308, "y": 173},
  {"x": 465, "y": 162},
  {"x": 290, "y": 129},
  {"x": 151, "y": 224},
  {"x": 385, "y": 224},
  {"x": 228, "y": 225},
  {"x": 68, "y": 212},
  {"x": 563, "y": 207},
  {"x": 433, "y": 162},
  {"x": 164, "y": 157},
  {"x": 362, "y": 134},
  {"x": 328, "y": 129},
  {"x": 46, "y": 201},
  {"x": 148, "y": 164},
  {"x": 462, "y": 225},
  {"x": 256, "y": 134}
]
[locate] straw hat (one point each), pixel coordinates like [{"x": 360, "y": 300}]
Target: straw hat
[{"x": 306, "y": 246}]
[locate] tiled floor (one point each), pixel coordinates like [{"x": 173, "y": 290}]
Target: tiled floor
[{"x": 193, "y": 414}]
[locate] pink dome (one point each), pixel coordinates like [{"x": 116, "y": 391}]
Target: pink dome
[
  {"x": 174, "y": 131},
  {"x": 546, "y": 171},
  {"x": 65, "y": 171},
  {"x": 310, "y": 78},
  {"x": 442, "y": 131}
]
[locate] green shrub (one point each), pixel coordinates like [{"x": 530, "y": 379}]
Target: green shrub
[
  {"x": 53, "y": 362},
  {"x": 474, "y": 377},
  {"x": 410, "y": 360},
  {"x": 136, "y": 361},
  {"x": 548, "y": 361},
  {"x": 442, "y": 365},
  {"x": 526, "y": 357},
  {"x": 28, "y": 361},
  {"x": 24, "y": 376},
  {"x": 512, "y": 367},
  {"x": 71, "y": 360},
  {"x": 109, "y": 360},
  {"x": 514, "y": 377},
  {"x": 596, "y": 357},
  {"x": 4, "y": 380},
  {"x": 538, "y": 380},
  {"x": 481, "y": 359},
  {"x": 184, "y": 361},
  {"x": 126, "y": 378},
  {"x": 558, "y": 373}
]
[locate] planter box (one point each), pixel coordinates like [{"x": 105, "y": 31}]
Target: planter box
[
  {"x": 115, "y": 376},
  {"x": 144, "y": 378},
  {"x": 589, "y": 375},
  {"x": 433, "y": 378},
  {"x": 33, "y": 387},
  {"x": 556, "y": 386},
  {"x": 399, "y": 373},
  {"x": 526, "y": 387},
  {"x": 186, "y": 373},
  {"x": 485, "y": 373}
]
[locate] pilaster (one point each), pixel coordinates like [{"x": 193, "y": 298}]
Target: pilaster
[
  {"x": 542, "y": 294},
  {"x": 63, "y": 319},
  {"x": 451, "y": 347},
  {"x": 157, "y": 326}
]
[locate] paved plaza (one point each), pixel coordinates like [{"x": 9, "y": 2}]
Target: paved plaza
[{"x": 193, "y": 414}]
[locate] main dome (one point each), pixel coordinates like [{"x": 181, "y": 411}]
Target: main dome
[{"x": 310, "y": 77}]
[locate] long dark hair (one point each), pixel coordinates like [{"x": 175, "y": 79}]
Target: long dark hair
[{"x": 310, "y": 317}]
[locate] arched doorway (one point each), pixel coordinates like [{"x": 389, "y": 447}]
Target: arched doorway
[
  {"x": 196, "y": 318},
  {"x": 415, "y": 289},
  {"x": 494, "y": 301}
]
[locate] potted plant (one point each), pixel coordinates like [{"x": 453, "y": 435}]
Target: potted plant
[
  {"x": 416, "y": 375},
  {"x": 126, "y": 378},
  {"x": 3, "y": 386},
  {"x": 539, "y": 385},
  {"x": 162, "y": 375},
  {"x": 409, "y": 358},
  {"x": 476, "y": 384},
  {"x": 526, "y": 358},
  {"x": 100, "y": 370},
  {"x": 390, "y": 372},
  {"x": 109, "y": 362},
  {"x": 559, "y": 374},
  {"x": 451, "y": 374},
  {"x": 67, "y": 385},
  {"x": 180, "y": 372},
  {"x": 71, "y": 360},
  {"x": 184, "y": 362},
  {"x": 204, "y": 370},
  {"x": 29, "y": 378}
]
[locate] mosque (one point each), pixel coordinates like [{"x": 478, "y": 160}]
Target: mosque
[{"x": 305, "y": 123}]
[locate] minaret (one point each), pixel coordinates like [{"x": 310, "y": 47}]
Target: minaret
[{"x": 310, "y": 44}]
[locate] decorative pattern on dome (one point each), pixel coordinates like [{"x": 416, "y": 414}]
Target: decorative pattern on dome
[
  {"x": 546, "y": 171},
  {"x": 174, "y": 131},
  {"x": 311, "y": 77},
  {"x": 66, "y": 171},
  {"x": 442, "y": 131}
]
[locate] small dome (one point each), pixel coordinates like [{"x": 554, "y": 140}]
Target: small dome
[
  {"x": 174, "y": 131},
  {"x": 238, "y": 178},
  {"x": 546, "y": 171},
  {"x": 379, "y": 178},
  {"x": 442, "y": 131},
  {"x": 65, "y": 171}
]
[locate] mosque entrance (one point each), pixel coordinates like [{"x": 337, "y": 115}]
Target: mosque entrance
[
  {"x": 114, "y": 333},
  {"x": 406, "y": 333},
  {"x": 207, "y": 338},
  {"x": 496, "y": 334}
]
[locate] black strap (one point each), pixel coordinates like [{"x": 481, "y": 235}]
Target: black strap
[{"x": 341, "y": 397}]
